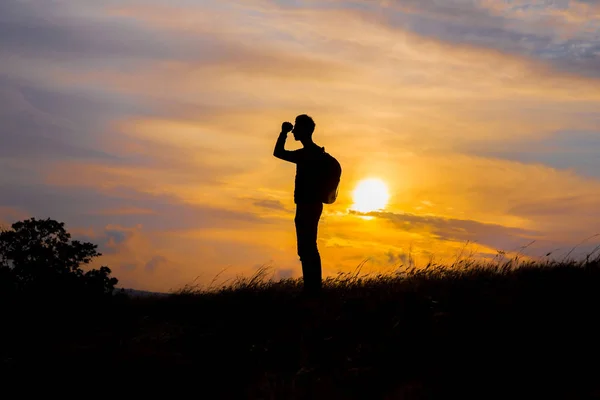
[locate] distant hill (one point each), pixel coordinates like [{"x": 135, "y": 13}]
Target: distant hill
[{"x": 140, "y": 293}]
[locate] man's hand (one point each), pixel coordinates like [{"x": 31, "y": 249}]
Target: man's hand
[
  {"x": 280, "y": 151},
  {"x": 286, "y": 127}
]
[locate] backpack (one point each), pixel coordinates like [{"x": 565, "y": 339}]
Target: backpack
[{"x": 332, "y": 172}]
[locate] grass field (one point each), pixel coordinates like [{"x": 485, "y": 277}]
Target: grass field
[{"x": 485, "y": 331}]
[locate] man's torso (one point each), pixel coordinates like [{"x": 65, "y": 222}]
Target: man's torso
[{"x": 308, "y": 172}]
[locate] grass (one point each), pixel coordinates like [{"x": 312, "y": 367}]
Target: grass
[{"x": 505, "y": 329}]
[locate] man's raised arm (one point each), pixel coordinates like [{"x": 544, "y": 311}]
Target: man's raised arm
[{"x": 280, "y": 151}]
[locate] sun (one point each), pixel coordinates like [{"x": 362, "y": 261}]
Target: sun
[{"x": 370, "y": 195}]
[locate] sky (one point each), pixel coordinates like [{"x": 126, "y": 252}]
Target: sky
[{"x": 148, "y": 128}]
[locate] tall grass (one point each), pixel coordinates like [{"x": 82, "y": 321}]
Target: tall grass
[{"x": 461, "y": 268}]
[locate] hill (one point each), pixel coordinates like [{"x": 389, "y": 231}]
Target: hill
[{"x": 494, "y": 331}]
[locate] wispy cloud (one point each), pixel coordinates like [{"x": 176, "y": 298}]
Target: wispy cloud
[{"x": 493, "y": 236}]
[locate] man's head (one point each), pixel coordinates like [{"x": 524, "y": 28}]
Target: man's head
[{"x": 303, "y": 127}]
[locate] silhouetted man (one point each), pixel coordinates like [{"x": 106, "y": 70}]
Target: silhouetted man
[{"x": 307, "y": 196}]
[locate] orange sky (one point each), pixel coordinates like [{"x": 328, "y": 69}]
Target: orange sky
[{"x": 148, "y": 127}]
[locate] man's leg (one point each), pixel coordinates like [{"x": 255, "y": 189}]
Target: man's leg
[{"x": 307, "y": 223}]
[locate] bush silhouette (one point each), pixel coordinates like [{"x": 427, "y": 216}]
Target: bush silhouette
[{"x": 38, "y": 256}]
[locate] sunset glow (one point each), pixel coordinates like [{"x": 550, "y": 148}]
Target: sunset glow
[
  {"x": 370, "y": 195},
  {"x": 148, "y": 128}
]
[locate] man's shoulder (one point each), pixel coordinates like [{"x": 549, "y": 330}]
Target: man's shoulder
[
  {"x": 316, "y": 150},
  {"x": 310, "y": 153}
]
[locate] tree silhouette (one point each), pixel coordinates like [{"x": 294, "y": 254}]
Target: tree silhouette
[{"x": 40, "y": 255}]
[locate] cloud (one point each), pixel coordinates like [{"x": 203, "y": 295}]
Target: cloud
[
  {"x": 284, "y": 273},
  {"x": 86, "y": 206},
  {"x": 9, "y": 215},
  {"x": 155, "y": 263},
  {"x": 128, "y": 267},
  {"x": 270, "y": 204},
  {"x": 28, "y": 131},
  {"x": 115, "y": 237},
  {"x": 111, "y": 239},
  {"x": 544, "y": 32},
  {"x": 578, "y": 150},
  {"x": 491, "y": 235},
  {"x": 397, "y": 258},
  {"x": 79, "y": 32}
]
